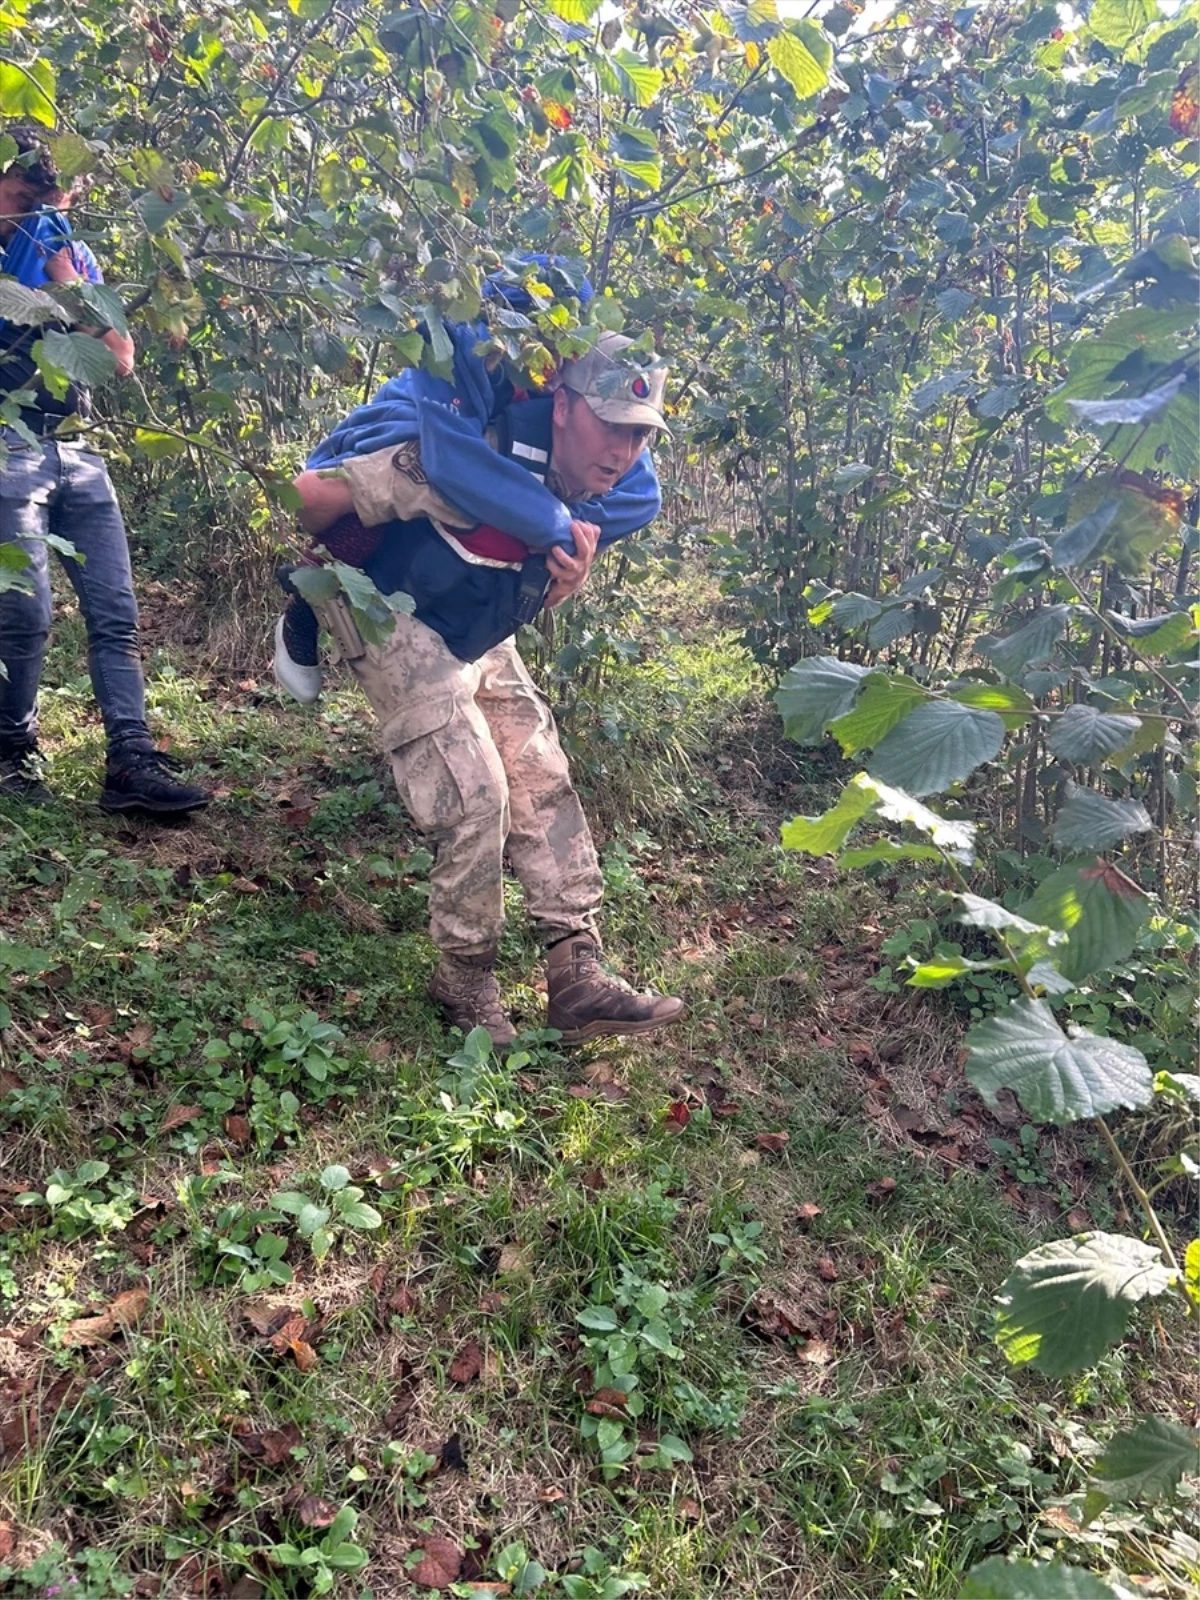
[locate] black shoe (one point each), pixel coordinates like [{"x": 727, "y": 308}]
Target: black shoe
[
  {"x": 140, "y": 780},
  {"x": 20, "y": 776}
]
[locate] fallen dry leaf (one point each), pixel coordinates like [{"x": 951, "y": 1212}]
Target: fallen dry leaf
[
  {"x": 551, "y": 1494},
  {"x": 177, "y": 1115},
  {"x": 238, "y": 1128},
  {"x": 272, "y": 1448},
  {"x": 266, "y": 1318},
  {"x": 405, "y": 1301},
  {"x": 8, "y": 1540},
  {"x": 121, "y": 1314},
  {"x": 882, "y": 1189},
  {"x": 772, "y": 1142},
  {"x": 516, "y": 1259},
  {"x": 817, "y": 1352},
  {"x": 440, "y": 1563},
  {"x": 1078, "y": 1221},
  {"x": 467, "y": 1364},
  {"x": 306, "y": 1357},
  {"x": 689, "y": 1510},
  {"x": 310, "y": 958},
  {"x": 677, "y": 1116},
  {"x": 806, "y": 1211},
  {"x": 827, "y": 1269},
  {"x": 314, "y": 1512}
]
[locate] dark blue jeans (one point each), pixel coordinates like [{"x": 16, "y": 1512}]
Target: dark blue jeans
[{"x": 64, "y": 489}]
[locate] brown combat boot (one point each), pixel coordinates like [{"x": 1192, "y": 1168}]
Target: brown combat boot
[
  {"x": 465, "y": 989},
  {"x": 586, "y": 1002}
]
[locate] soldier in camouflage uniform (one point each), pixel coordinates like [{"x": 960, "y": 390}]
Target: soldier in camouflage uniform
[{"x": 472, "y": 743}]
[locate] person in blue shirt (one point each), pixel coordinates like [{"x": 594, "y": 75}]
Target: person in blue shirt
[
  {"x": 61, "y": 487},
  {"x": 489, "y": 507}
]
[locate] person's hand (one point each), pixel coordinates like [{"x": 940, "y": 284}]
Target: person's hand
[
  {"x": 568, "y": 573},
  {"x": 60, "y": 267}
]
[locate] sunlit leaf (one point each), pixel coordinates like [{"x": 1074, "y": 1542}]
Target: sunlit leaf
[
  {"x": 1100, "y": 910},
  {"x": 885, "y": 700},
  {"x": 1057, "y": 1077},
  {"x": 1067, "y": 1303}
]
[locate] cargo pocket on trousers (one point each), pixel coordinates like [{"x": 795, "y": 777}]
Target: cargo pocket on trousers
[{"x": 444, "y": 771}]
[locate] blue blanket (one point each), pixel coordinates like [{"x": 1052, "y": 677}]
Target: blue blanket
[{"x": 449, "y": 418}]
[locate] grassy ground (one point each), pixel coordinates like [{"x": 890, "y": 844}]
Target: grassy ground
[{"x": 705, "y": 1316}]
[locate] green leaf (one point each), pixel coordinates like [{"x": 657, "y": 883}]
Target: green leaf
[
  {"x": 852, "y": 610},
  {"x": 673, "y": 1447},
  {"x": 1012, "y": 704},
  {"x": 939, "y": 972},
  {"x": 84, "y": 360},
  {"x": 335, "y": 1177},
  {"x": 1066, "y": 1303},
  {"x": 938, "y": 744},
  {"x": 998, "y": 1579},
  {"x": 934, "y": 390},
  {"x": 72, "y": 154},
  {"x": 316, "y": 584},
  {"x": 1099, "y": 908},
  {"x": 816, "y": 692},
  {"x": 1191, "y": 1272},
  {"x": 1120, "y": 23},
  {"x": 1056, "y": 1078},
  {"x": 359, "y": 1215},
  {"x": 310, "y": 1217},
  {"x": 1147, "y": 1463},
  {"x": 885, "y": 700},
  {"x": 980, "y": 913},
  {"x": 602, "y": 1319},
  {"x": 575, "y": 10},
  {"x": 156, "y": 211},
  {"x": 825, "y": 835},
  {"x": 105, "y": 303},
  {"x": 28, "y": 307},
  {"x": 1028, "y": 646},
  {"x": 1084, "y": 736},
  {"x": 1136, "y": 410},
  {"x": 1143, "y": 335},
  {"x": 28, "y": 91},
  {"x": 1162, "y": 635},
  {"x": 888, "y": 850},
  {"x": 1091, "y": 822},
  {"x": 849, "y": 477},
  {"x": 1086, "y": 539},
  {"x": 803, "y": 55},
  {"x": 640, "y": 82},
  {"x": 159, "y": 446},
  {"x": 956, "y": 838}
]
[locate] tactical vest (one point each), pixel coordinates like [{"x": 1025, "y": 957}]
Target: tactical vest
[{"x": 472, "y": 598}]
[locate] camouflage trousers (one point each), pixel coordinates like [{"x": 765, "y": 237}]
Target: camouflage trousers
[{"x": 476, "y": 758}]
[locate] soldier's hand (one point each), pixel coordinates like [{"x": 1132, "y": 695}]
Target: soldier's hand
[{"x": 569, "y": 572}]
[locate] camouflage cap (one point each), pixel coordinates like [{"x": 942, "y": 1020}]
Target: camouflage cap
[{"x": 616, "y": 390}]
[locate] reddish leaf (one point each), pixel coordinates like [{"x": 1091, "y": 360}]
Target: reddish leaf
[
  {"x": 404, "y": 1302},
  {"x": 806, "y": 1211},
  {"x": 772, "y": 1142},
  {"x": 8, "y": 1540},
  {"x": 827, "y": 1269},
  {"x": 440, "y": 1563},
  {"x": 310, "y": 958},
  {"x": 556, "y": 115},
  {"x": 306, "y": 1357},
  {"x": 238, "y": 1128},
  {"x": 272, "y": 1448},
  {"x": 677, "y": 1116},
  {"x": 124, "y": 1312},
  {"x": 1078, "y": 1220},
  {"x": 177, "y": 1115},
  {"x": 467, "y": 1364},
  {"x": 882, "y": 1189}
]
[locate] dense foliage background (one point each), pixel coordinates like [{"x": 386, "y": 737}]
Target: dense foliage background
[{"x": 926, "y": 278}]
